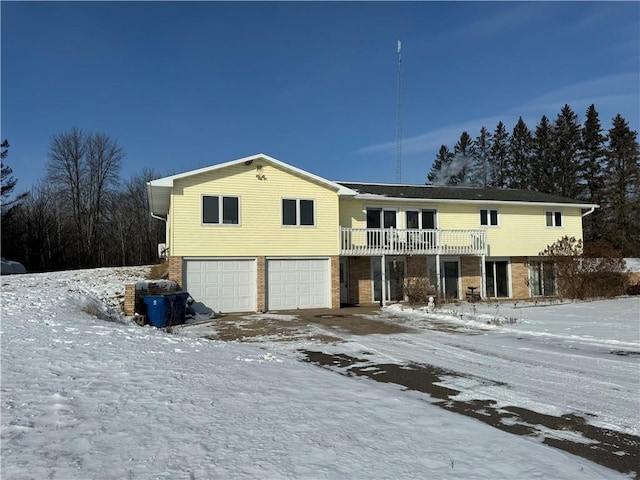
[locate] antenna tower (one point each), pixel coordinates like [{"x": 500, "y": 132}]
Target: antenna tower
[{"x": 399, "y": 117}]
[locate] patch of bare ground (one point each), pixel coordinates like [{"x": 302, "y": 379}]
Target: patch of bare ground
[
  {"x": 316, "y": 325},
  {"x": 613, "y": 449}
]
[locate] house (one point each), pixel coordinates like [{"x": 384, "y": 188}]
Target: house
[{"x": 257, "y": 234}]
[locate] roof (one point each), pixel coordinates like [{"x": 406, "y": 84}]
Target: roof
[
  {"x": 459, "y": 194},
  {"x": 160, "y": 189}
]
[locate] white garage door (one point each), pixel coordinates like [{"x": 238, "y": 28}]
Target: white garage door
[
  {"x": 298, "y": 283},
  {"x": 223, "y": 285}
]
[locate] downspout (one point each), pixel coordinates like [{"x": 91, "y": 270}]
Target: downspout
[{"x": 589, "y": 212}]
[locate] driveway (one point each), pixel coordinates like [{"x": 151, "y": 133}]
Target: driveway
[
  {"x": 308, "y": 330},
  {"x": 325, "y": 325}
]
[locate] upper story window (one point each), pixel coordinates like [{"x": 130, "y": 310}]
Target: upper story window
[
  {"x": 554, "y": 219},
  {"x": 382, "y": 218},
  {"x": 489, "y": 217},
  {"x": 425, "y": 219},
  {"x": 298, "y": 212},
  {"x": 220, "y": 210}
]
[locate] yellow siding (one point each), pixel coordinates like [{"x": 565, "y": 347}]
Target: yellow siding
[
  {"x": 522, "y": 229},
  {"x": 260, "y": 231}
]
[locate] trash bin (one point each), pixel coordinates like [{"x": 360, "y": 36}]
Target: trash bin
[
  {"x": 157, "y": 310},
  {"x": 177, "y": 307}
]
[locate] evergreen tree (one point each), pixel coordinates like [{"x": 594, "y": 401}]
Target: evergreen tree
[
  {"x": 623, "y": 195},
  {"x": 7, "y": 184},
  {"x": 542, "y": 166},
  {"x": 592, "y": 152},
  {"x": 442, "y": 161},
  {"x": 520, "y": 153},
  {"x": 479, "y": 174},
  {"x": 459, "y": 166},
  {"x": 498, "y": 156},
  {"x": 566, "y": 143}
]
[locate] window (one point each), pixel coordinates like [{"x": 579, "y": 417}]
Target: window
[
  {"x": 215, "y": 208},
  {"x": 542, "y": 278},
  {"x": 497, "y": 278},
  {"x": 425, "y": 219},
  {"x": 429, "y": 219},
  {"x": 379, "y": 218},
  {"x": 297, "y": 212},
  {"x": 554, "y": 219},
  {"x": 489, "y": 217}
]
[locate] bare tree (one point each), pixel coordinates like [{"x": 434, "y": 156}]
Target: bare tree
[{"x": 85, "y": 167}]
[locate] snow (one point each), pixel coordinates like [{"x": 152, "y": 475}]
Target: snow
[
  {"x": 632, "y": 264},
  {"x": 88, "y": 394}
]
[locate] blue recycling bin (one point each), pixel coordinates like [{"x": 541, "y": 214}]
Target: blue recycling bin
[{"x": 157, "y": 310}]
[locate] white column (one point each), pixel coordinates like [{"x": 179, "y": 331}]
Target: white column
[
  {"x": 483, "y": 277},
  {"x": 383, "y": 273},
  {"x": 438, "y": 280}
]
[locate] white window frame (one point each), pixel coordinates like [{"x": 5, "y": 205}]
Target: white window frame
[
  {"x": 382, "y": 210},
  {"x": 553, "y": 216},
  {"x": 420, "y": 211},
  {"x": 489, "y": 210},
  {"x": 220, "y": 222},
  {"x": 297, "y": 224}
]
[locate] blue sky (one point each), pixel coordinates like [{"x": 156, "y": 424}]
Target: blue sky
[{"x": 185, "y": 85}]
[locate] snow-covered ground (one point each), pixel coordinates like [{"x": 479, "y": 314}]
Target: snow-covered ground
[{"x": 86, "y": 394}]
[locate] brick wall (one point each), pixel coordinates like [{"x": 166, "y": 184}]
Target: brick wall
[
  {"x": 519, "y": 278},
  {"x": 470, "y": 274},
  {"x": 416, "y": 267},
  {"x": 175, "y": 270},
  {"x": 360, "y": 280},
  {"x": 261, "y": 271},
  {"x": 335, "y": 281}
]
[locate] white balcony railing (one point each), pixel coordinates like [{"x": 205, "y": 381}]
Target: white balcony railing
[{"x": 396, "y": 241}]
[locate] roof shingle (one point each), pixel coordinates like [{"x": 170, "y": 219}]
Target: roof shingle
[{"x": 432, "y": 192}]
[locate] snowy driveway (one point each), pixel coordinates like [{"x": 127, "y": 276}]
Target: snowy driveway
[{"x": 568, "y": 373}]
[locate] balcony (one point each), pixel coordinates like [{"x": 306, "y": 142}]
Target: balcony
[{"x": 397, "y": 241}]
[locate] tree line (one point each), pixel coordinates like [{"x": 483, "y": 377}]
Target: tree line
[
  {"x": 562, "y": 157},
  {"x": 82, "y": 214}
]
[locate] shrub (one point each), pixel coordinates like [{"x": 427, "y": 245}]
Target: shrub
[
  {"x": 597, "y": 270},
  {"x": 418, "y": 290},
  {"x": 159, "y": 271}
]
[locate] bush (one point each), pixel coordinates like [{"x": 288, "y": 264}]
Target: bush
[
  {"x": 159, "y": 271},
  {"x": 418, "y": 290},
  {"x": 597, "y": 270}
]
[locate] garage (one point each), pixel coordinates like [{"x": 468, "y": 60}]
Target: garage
[
  {"x": 298, "y": 283},
  {"x": 224, "y": 285}
]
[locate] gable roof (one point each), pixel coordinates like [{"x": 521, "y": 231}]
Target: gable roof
[
  {"x": 459, "y": 194},
  {"x": 160, "y": 190}
]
